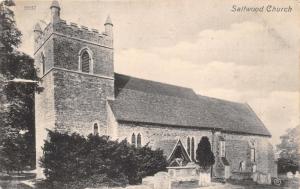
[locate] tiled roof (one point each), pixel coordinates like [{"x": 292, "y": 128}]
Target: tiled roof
[
  {"x": 152, "y": 87},
  {"x": 166, "y": 145},
  {"x": 235, "y": 117},
  {"x": 144, "y": 101}
]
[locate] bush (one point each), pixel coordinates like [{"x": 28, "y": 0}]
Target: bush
[
  {"x": 97, "y": 161},
  {"x": 204, "y": 156},
  {"x": 287, "y": 165},
  {"x": 14, "y": 154}
]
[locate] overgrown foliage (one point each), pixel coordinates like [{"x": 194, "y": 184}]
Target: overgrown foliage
[
  {"x": 10, "y": 36},
  {"x": 204, "y": 156},
  {"x": 14, "y": 155},
  {"x": 287, "y": 165},
  {"x": 289, "y": 156},
  {"x": 96, "y": 161},
  {"x": 17, "y": 99}
]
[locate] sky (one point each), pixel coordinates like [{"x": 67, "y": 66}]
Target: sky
[{"x": 248, "y": 57}]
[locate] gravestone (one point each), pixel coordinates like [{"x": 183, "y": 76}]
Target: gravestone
[
  {"x": 289, "y": 175},
  {"x": 261, "y": 178}
]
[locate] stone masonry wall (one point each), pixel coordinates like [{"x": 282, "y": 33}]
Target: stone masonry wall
[
  {"x": 266, "y": 157},
  {"x": 155, "y": 133},
  {"x": 44, "y": 115},
  {"x": 47, "y": 50},
  {"x": 66, "y": 55},
  {"x": 238, "y": 148},
  {"x": 80, "y": 101}
]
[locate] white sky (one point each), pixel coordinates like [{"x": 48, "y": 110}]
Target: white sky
[{"x": 244, "y": 57}]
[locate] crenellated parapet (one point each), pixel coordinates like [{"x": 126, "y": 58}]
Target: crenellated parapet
[
  {"x": 58, "y": 26},
  {"x": 72, "y": 30}
]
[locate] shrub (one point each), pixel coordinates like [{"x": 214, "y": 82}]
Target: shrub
[
  {"x": 97, "y": 161},
  {"x": 150, "y": 161},
  {"x": 204, "y": 155},
  {"x": 13, "y": 154},
  {"x": 287, "y": 165}
]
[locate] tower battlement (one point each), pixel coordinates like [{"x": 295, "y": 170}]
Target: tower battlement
[
  {"x": 72, "y": 30},
  {"x": 58, "y": 26},
  {"x": 62, "y": 44}
]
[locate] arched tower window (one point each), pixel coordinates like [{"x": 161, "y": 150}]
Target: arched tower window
[
  {"x": 189, "y": 145},
  {"x": 139, "y": 140},
  {"x": 96, "y": 129},
  {"x": 133, "y": 139},
  {"x": 193, "y": 148},
  {"x": 85, "y": 61},
  {"x": 42, "y": 64}
]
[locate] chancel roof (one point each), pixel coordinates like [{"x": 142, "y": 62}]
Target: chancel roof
[{"x": 149, "y": 102}]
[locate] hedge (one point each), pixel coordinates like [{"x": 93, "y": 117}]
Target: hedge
[{"x": 96, "y": 160}]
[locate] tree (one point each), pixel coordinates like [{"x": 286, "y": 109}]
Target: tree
[
  {"x": 289, "y": 154},
  {"x": 10, "y": 36},
  {"x": 17, "y": 116},
  {"x": 204, "y": 156}
]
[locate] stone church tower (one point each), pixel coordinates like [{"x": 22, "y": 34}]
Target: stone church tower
[{"x": 77, "y": 74}]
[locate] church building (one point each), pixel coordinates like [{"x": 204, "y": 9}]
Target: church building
[{"x": 82, "y": 93}]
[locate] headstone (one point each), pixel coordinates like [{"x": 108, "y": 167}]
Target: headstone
[
  {"x": 204, "y": 179},
  {"x": 269, "y": 180},
  {"x": 161, "y": 180},
  {"x": 297, "y": 175},
  {"x": 262, "y": 178},
  {"x": 255, "y": 177},
  {"x": 254, "y": 168},
  {"x": 289, "y": 175}
]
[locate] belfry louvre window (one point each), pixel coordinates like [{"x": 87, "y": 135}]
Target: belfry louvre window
[{"x": 85, "y": 62}]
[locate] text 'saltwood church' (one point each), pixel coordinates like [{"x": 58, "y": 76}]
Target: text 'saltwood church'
[{"x": 83, "y": 94}]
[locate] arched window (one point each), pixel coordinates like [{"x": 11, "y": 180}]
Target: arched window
[
  {"x": 193, "y": 149},
  {"x": 139, "y": 140},
  {"x": 222, "y": 148},
  {"x": 85, "y": 62},
  {"x": 96, "y": 129},
  {"x": 253, "y": 155},
  {"x": 189, "y": 145},
  {"x": 133, "y": 139},
  {"x": 42, "y": 64},
  {"x": 85, "y": 58}
]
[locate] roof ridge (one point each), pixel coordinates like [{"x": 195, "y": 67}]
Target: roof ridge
[
  {"x": 235, "y": 102},
  {"x": 155, "y": 81}
]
